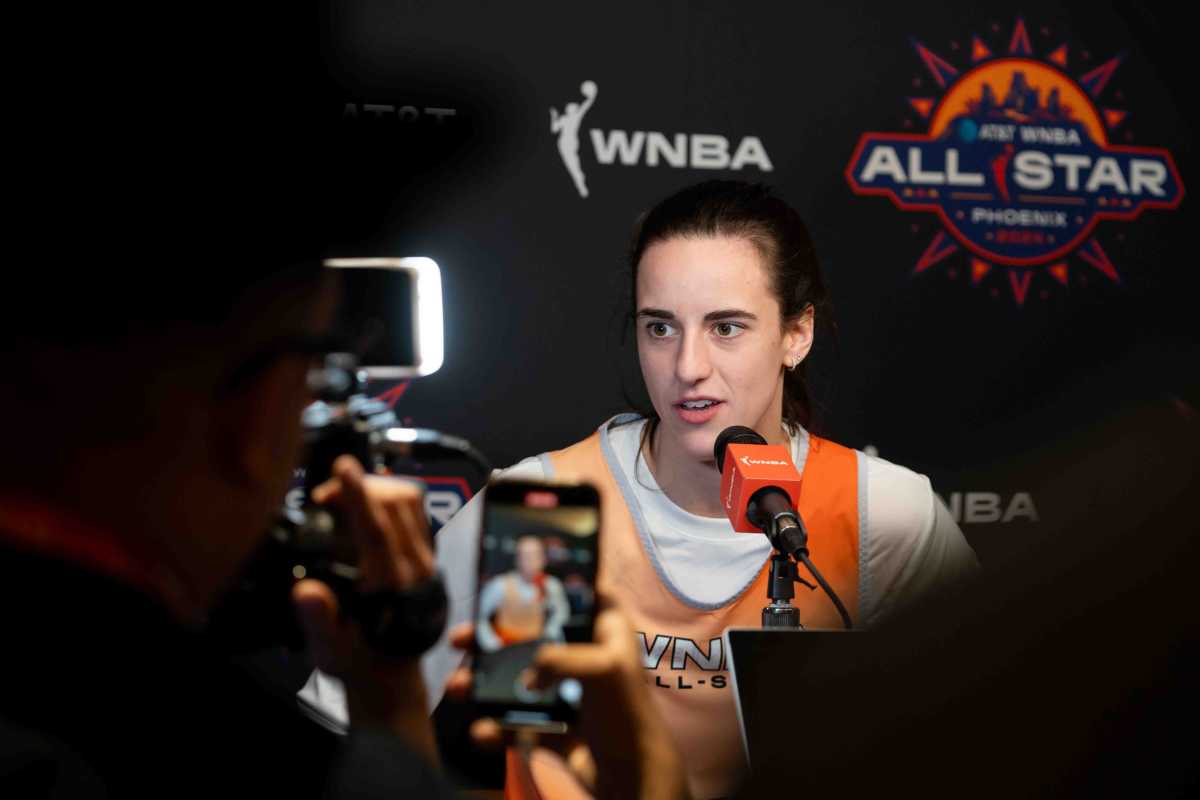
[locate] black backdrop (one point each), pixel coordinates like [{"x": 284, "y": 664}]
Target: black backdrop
[{"x": 444, "y": 149}]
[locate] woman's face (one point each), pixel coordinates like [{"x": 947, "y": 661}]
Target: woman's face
[
  {"x": 710, "y": 342},
  {"x": 531, "y": 557}
]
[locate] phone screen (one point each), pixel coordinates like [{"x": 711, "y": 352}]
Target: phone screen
[{"x": 537, "y": 579}]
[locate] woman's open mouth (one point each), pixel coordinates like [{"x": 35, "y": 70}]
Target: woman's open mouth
[{"x": 697, "y": 411}]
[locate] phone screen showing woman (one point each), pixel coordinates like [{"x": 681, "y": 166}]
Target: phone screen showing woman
[{"x": 537, "y": 578}]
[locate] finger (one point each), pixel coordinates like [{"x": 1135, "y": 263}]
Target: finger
[
  {"x": 409, "y": 532},
  {"x": 566, "y": 746},
  {"x": 462, "y": 636},
  {"x": 317, "y": 609},
  {"x": 583, "y": 661},
  {"x": 458, "y": 685},
  {"x": 328, "y": 492},
  {"x": 487, "y": 733},
  {"x": 404, "y": 568},
  {"x": 580, "y": 761},
  {"x": 414, "y": 533},
  {"x": 368, "y": 526}
]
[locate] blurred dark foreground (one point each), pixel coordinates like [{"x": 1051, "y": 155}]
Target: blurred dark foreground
[{"x": 1065, "y": 672}]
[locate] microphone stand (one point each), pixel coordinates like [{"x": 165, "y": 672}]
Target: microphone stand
[
  {"x": 781, "y": 584},
  {"x": 787, "y": 535},
  {"x": 781, "y": 588}
]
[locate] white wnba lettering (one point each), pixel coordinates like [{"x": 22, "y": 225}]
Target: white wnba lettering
[
  {"x": 696, "y": 150},
  {"x": 686, "y": 648},
  {"x": 618, "y": 144},
  {"x": 749, "y": 460},
  {"x": 630, "y": 148},
  {"x": 652, "y": 655},
  {"x": 682, "y": 651},
  {"x": 986, "y": 507}
]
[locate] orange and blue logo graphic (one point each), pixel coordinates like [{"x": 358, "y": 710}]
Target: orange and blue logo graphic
[{"x": 1018, "y": 163}]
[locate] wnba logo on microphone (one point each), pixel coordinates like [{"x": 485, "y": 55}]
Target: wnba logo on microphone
[
  {"x": 748, "y": 460},
  {"x": 649, "y": 148}
]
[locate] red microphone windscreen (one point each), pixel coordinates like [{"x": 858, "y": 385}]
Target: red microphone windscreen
[{"x": 750, "y": 467}]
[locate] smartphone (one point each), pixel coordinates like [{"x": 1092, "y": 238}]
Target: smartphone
[
  {"x": 536, "y": 584},
  {"x": 390, "y": 315}
]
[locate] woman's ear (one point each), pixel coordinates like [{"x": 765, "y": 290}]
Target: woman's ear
[{"x": 798, "y": 337}]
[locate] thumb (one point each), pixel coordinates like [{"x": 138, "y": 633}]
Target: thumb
[{"x": 586, "y": 662}]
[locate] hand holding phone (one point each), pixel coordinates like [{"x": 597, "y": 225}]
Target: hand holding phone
[
  {"x": 621, "y": 747},
  {"x": 536, "y": 585}
]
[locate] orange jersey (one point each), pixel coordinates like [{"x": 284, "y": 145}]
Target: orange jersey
[
  {"x": 519, "y": 619},
  {"x": 686, "y": 667}
]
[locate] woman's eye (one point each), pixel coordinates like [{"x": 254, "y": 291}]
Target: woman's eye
[
  {"x": 658, "y": 330},
  {"x": 727, "y": 330}
]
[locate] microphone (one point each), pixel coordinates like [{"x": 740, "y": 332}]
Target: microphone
[{"x": 760, "y": 488}]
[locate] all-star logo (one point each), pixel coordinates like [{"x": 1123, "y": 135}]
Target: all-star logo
[
  {"x": 649, "y": 148},
  {"x": 1017, "y": 163}
]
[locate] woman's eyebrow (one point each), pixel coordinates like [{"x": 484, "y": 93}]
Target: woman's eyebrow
[
  {"x": 712, "y": 316},
  {"x": 728, "y": 313}
]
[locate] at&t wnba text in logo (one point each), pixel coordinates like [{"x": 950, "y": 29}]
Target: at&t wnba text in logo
[
  {"x": 649, "y": 148},
  {"x": 1017, "y": 163}
]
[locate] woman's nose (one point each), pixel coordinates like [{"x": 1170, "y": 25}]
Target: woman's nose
[{"x": 692, "y": 364}]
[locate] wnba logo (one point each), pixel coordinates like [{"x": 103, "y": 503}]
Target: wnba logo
[
  {"x": 649, "y": 148},
  {"x": 748, "y": 460},
  {"x": 566, "y": 126}
]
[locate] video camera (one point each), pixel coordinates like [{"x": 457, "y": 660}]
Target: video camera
[{"x": 391, "y": 314}]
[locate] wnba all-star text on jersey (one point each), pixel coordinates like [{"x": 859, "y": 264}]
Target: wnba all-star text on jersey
[{"x": 674, "y": 653}]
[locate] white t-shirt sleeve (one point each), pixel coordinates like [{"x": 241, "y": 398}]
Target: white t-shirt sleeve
[
  {"x": 457, "y": 550},
  {"x": 489, "y": 600},
  {"x": 913, "y": 546}
]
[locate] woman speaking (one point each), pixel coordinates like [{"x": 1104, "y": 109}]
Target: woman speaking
[{"x": 726, "y": 289}]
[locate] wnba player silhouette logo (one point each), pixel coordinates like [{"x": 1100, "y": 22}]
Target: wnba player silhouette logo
[{"x": 566, "y": 125}]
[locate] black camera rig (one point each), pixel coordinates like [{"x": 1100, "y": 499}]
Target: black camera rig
[{"x": 310, "y": 541}]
